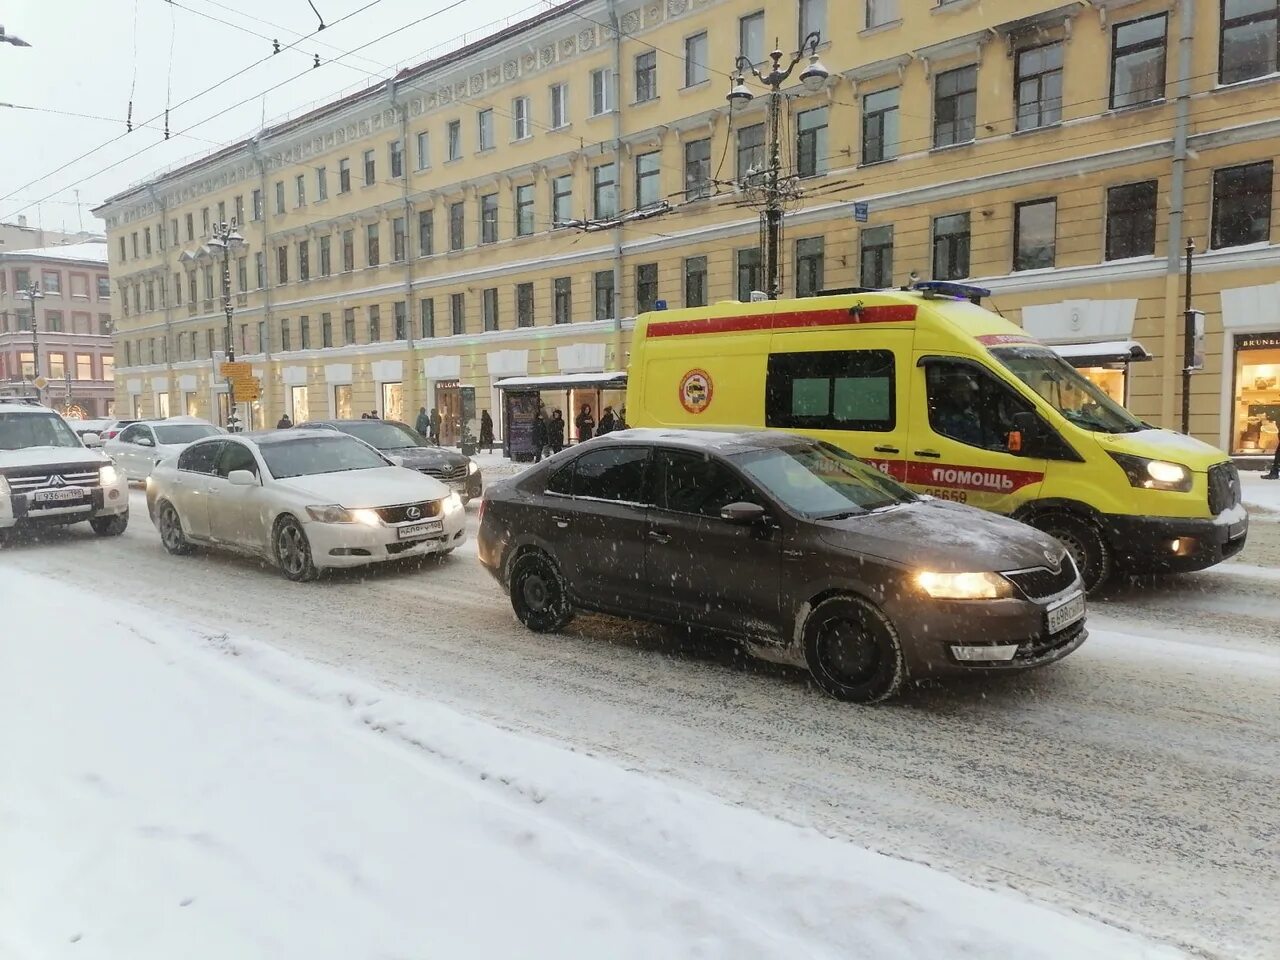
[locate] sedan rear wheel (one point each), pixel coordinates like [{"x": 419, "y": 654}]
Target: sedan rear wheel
[
  {"x": 293, "y": 551},
  {"x": 853, "y": 651},
  {"x": 171, "y": 535},
  {"x": 538, "y": 593}
]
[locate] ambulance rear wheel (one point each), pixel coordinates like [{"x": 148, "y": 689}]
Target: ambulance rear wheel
[{"x": 1086, "y": 544}]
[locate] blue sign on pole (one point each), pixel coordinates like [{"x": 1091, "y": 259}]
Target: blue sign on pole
[{"x": 861, "y": 210}]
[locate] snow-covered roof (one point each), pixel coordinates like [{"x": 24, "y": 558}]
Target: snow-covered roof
[
  {"x": 95, "y": 251},
  {"x": 612, "y": 380}
]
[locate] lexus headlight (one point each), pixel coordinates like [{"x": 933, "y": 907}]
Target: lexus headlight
[
  {"x": 4, "y": 486},
  {"x": 472, "y": 467},
  {"x": 1154, "y": 474},
  {"x": 107, "y": 476},
  {"x": 369, "y": 518},
  {"x": 964, "y": 586},
  {"x": 453, "y": 502},
  {"x": 331, "y": 514}
]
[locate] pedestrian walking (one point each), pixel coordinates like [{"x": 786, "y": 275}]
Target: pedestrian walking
[
  {"x": 585, "y": 423},
  {"x": 608, "y": 422},
  {"x": 486, "y": 430},
  {"x": 555, "y": 431},
  {"x": 1274, "y": 473},
  {"x": 435, "y": 425},
  {"x": 423, "y": 423},
  {"x": 622, "y": 419},
  {"x": 373, "y": 415},
  {"x": 284, "y": 422},
  {"x": 540, "y": 437}
]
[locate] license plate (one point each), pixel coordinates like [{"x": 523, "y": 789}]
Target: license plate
[
  {"x": 1066, "y": 613},
  {"x": 424, "y": 529},
  {"x": 58, "y": 496}
]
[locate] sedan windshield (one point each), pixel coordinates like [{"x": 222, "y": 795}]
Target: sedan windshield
[
  {"x": 184, "y": 433},
  {"x": 21, "y": 430},
  {"x": 1063, "y": 388},
  {"x": 821, "y": 481},
  {"x": 311, "y": 455},
  {"x": 384, "y": 435}
]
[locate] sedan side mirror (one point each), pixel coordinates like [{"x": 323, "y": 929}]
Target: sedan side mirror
[
  {"x": 242, "y": 478},
  {"x": 744, "y": 514},
  {"x": 145, "y": 442},
  {"x": 91, "y": 440}
]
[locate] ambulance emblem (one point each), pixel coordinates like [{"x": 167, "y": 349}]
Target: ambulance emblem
[{"x": 695, "y": 391}]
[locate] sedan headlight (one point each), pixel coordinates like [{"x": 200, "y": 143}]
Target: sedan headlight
[
  {"x": 1154, "y": 474},
  {"x": 369, "y": 518},
  {"x": 452, "y": 503},
  {"x": 4, "y": 486},
  {"x": 107, "y": 476},
  {"x": 472, "y": 467},
  {"x": 330, "y": 514},
  {"x": 964, "y": 586}
]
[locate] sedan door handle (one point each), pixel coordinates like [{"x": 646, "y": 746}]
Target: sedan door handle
[
  {"x": 886, "y": 449},
  {"x": 560, "y": 521},
  {"x": 929, "y": 453},
  {"x": 659, "y": 536}
]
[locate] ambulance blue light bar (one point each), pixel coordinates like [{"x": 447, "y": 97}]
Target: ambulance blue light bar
[{"x": 945, "y": 288}]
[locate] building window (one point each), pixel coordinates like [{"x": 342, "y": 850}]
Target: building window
[
  {"x": 300, "y": 185},
  {"x": 427, "y": 317},
  {"x": 1255, "y": 392},
  {"x": 400, "y": 320},
  {"x": 696, "y": 55},
  {"x": 326, "y": 330},
  {"x": 348, "y": 250},
  {"x": 304, "y": 332},
  {"x": 520, "y": 118},
  {"x": 457, "y": 225},
  {"x": 370, "y": 169},
  {"x": 750, "y": 150},
  {"x": 424, "y": 150},
  {"x": 282, "y": 268},
  {"x": 1038, "y": 86},
  {"x": 344, "y": 175},
  {"x": 489, "y": 308},
  {"x": 646, "y": 286},
  {"x": 749, "y": 273},
  {"x": 257, "y": 210},
  {"x": 524, "y": 304},
  {"x": 810, "y": 254},
  {"x": 562, "y": 294},
  {"x": 880, "y": 125},
  {"x": 204, "y": 221},
  {"x": 84, "y": 366},
  {"x": 133, "y": 240},
  {"x": 146, "y": 240},
  {"x": 304, "y": 260},
  {"x": 489, "y": 218},
  {"x": 955, "y": 104},
  {"x": 279, "y": 197},
  {"x": 458, "y": 313},
  {"x": 285, "y": 340},
  {"x": 484, "y": 122},
  {"x": 1250, "y": 43},
  {"x": 57, "y": 366},
  {"x": 260, "y": 265},
  {"x": 455, "y": 139},
  {"x": 648, "y": 179},
  {"x": 53, "y": 318},
  {"x": 399, "y": 240},
  {"x": 559, "y": 106},
  {"x": 264, "y": 344},
  {"x": 1131, "y": 220},
  {"x": 695, "y": 281},
  {"x": 524, "y": 210},
  {"x": 371, "y": 244},
  {"x": 426, "y": 233},
  {"x": 751, "y": 37},
  {"x": 124, "y": 251},
  {"x": 51, "y": 280},
  {"x": 1035, "y": 227},
  {"x": 242, "y": 278},
  {"x": 27, "y": 361},
  {"x": 561, "y": 199},
  {"x": 601, "y": 91},
  {"x": 811, "y": 142},
  {"x": 326, "y": 265},
  {"x": 880, "y": 12},
  {"x": 951, "y": 247},
  {"x": 104, "y": 288},
  {"x": 697, "y": 169},
  {"x": 813, "y": 18},
  {"x": 191, "y": 224},
  {"x": 1242, "y": 205},
  {"x": 395, "y": 154},
  {"x": 375, "y": 323},
  {"x": 342, "y": 404},
  {"x": 604, "y": 294},
  {"x": 1137, "y": 61},
  {"x": 877, "y": 257},
  {"x": 349, "y": 326},
  {"x": 604, "y": 191},
  {"x": 647, "y": 76},
  {"x": 322, "y": 184},
  {"x": 151, "y": 297}
]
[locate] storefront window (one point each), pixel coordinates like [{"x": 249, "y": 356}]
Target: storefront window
[
  {"x": 393, "y": 401},
  {"x": 342, "y": 401},
  {"x": 1257, "y": 393},
  {"x": 299, "y": 397},
  {"x": 1110, "y": 380}
]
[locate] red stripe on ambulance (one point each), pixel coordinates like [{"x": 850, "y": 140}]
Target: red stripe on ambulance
[
  {"x": 959, "y": 477},
  {"x": 844, "y": 316}
]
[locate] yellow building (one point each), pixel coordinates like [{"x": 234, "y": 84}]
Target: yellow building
[{"x": 409, "y": 239}]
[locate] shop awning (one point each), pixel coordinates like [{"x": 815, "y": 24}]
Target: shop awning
[
  {"x": 1099, "y": 354},
  {"x": 609, "y": 380}
]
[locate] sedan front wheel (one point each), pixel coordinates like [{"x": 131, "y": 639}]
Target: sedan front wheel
[
  {"x": 171, "y": 535},
  {"x": 539, "y": 596},
  {"x": 853, "y": 651},
  {"x": 293, "y": 551}
]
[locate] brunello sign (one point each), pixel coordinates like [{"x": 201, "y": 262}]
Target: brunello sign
[{"x": 1258, "y": 341}]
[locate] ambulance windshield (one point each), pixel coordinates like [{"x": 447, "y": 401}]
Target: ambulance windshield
[{"x": 1063, "y": 388}]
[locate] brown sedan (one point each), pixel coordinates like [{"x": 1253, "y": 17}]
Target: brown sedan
[{"x": 806, "y": 554}]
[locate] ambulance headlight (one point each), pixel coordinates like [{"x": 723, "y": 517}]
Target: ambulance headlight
[{"x": 1150, "y": 474}]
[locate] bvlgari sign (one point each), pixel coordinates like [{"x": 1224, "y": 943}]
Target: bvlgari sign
[{"x": 1258, "y": 341}]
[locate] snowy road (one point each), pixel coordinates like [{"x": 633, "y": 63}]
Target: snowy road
[{"x": 1138, "y": 781}]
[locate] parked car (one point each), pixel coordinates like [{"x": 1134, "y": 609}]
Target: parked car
[
  {"x": 90, "y": 431},
  {"x": 48, "y": 477},
  {"x": 113, "y": 428},
  {"x": 302, "y": 499},
  {"x": 809, "y": 555},
  {"x": 405, "y": 445},
  {"x": 140, "y": 446}
]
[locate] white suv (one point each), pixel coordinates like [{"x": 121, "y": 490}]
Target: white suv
[{"x": 48, "y": 477}]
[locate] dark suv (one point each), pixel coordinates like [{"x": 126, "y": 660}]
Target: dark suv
[
  {"x": 807, "y": 554},
  {"x": 410, "y": 448}
]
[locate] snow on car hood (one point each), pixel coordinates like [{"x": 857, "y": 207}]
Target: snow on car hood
[
  {"x": 419, "y": 457},
  {"x": 1164, "y": 445},
  {"x": 944, "y": 537},
  {"x": 379, "y": 487},
  {"x": 47, "y": 456}
]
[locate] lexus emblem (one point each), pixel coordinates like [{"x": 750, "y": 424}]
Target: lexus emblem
[
  {"x": 57, "y": 481},
  {"x": 413, "y": 513}
]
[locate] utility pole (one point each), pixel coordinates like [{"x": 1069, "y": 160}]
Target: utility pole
[
  {"x": 775, "y": 190},
  {"x": 32, "y": 293},
  {"x": 226, "y": 237},
  {"x": 1188, "y": 342}
]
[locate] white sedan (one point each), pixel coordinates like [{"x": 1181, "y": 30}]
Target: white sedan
[
  {"x": 140, "y": 446},
  {"x": 303, "y": 499}
]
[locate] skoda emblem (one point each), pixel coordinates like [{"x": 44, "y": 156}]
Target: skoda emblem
[{"x": 413, "y": 513}]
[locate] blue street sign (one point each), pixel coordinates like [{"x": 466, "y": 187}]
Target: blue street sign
[{"x": 861, "y": 210}]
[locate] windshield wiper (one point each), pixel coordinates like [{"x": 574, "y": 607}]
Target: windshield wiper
[{"x": 844, "y": 515}]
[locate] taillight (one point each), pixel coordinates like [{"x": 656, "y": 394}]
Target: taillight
[{"x": 480, "y": 512}]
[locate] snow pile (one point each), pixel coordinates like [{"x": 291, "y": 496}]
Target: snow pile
[
  {"x": 174, "y": 794},
  {"x": 1262, "y": 497}
]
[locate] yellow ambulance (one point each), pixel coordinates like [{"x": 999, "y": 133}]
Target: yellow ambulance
[{"x": 957, "y": 403}]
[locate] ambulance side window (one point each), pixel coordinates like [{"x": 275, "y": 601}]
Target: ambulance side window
[
  {"x": 831, "y": 390},
  {"x": 970, "y": 406}
]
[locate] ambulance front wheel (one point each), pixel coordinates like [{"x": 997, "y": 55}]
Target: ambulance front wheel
[{"x": 1086, "y": 544}]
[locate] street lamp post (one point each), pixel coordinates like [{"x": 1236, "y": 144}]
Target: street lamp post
[
  {"x": 226, "y": 238},
  {"x": 813, "y": 77},
  {"x": 32, "y": 292}
]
